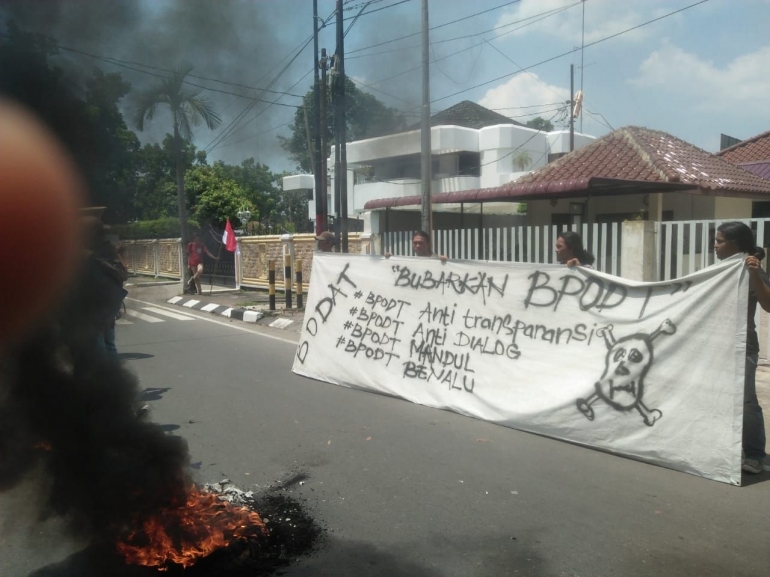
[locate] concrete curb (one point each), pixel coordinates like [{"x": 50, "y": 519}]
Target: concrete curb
[{"x": 240, "y": 314}]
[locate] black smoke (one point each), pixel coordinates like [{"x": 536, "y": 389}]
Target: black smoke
[
  {"x": 239, "y": 41},
  {"x": 68, "y": 416}
]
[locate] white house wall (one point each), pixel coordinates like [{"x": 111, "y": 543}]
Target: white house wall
[
  {"x": 683, "y": 205},
  {"x": 732, "y": 207}
]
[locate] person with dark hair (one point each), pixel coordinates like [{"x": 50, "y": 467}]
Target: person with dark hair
[
  {"x": 736, "y": 238},
  {"x": 570, "y": 250},
  {"x": 326, "y": 241},
  {"x": 421, "y": 246},
  {"x": 107, "y": 274},
  {"x": 195, "y": 252}
]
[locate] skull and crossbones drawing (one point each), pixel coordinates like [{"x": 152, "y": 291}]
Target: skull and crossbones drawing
[{"x": 622, "y": 384}]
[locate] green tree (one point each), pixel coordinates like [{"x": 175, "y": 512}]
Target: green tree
[
  {"x": 522, "y": 160},
  {"x": 366, "y": 117},
  {"x": 83, "y": 112},
  {"x": 217, "y": 197},
  {"x": 261, "y": 187},
  {"x": 188, "y": 109},
  {"x": 539, "y": 123},
  {"x": 156, "y": 188}
]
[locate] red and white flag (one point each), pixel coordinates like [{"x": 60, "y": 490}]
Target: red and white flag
[{"x": 228, "y": 238}]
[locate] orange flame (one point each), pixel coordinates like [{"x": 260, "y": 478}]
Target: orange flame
[{"x": 182, "y": 535}]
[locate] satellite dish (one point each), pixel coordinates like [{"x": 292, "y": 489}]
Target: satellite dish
[{"x": 578, "y": 104}]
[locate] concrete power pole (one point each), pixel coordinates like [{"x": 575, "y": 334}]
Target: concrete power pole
[
  {"x": 324, "y": 123},
  {"x": 341, "y": 174},
  {"x": 571, "y": 107},
  {"x": 426, "y": 214},
  {"x": 320, "y": 221}
]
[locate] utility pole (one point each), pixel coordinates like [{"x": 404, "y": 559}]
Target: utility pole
[
  {"x": 322, "y": 115},
  {"x": 571, "y": 107},
  {"x": 582, "y": 66},
  {"x": 320, "y": 224},
  {"x": 337, "y": 183},
  {"x": 341, "y": 174},
  {"x": 426, "y": 214}
]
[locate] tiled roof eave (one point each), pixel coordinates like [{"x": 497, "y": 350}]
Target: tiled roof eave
[{"x": 520, "y": 192}]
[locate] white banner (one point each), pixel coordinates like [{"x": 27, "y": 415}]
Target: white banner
[{"x": 648, "y": 370}]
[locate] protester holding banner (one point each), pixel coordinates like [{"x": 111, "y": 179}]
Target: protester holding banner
[
  {"x": 421, "y": 247},
  {"x": 326, "y": 241},
  {"x": 570, "y": 250},
  {"x": 734, "y": 238}
]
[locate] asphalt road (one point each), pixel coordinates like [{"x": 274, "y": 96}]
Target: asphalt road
[{"x": 406, "y": 490}]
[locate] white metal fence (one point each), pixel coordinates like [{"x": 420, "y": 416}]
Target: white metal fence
[
  {"x": 688, "y": 246},
  {"x": 682, "y": 247},
  {"x": 515, "y": 244}
]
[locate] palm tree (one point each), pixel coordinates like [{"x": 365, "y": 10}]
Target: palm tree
[
  {"x": 188, "y": 109},
  {"x": 522, "y": 160}
]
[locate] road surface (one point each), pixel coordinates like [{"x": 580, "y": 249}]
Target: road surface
[{"x": 408, "y": 490}]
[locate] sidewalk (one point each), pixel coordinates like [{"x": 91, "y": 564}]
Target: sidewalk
[{"x": 247, "y": 306}]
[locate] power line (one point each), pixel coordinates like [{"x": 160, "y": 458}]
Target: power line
[
  {"x": 123, "y": 64},
  {"x": 258, "y": 114},
  {"x": 535, "y": 77},
  {"x": 231, "y": 127},
  {"x": 546, "y": 13},
  {"x": 377, "y": 10},
  {"x": 537, "y": 131},
  {"x": 378, "y": 90},
  {"x": 530, "y": 106},
  {"x": 469, "y": 16},
  {"x": 255, "y": 135},
  {"x": 571, "y": 51}
]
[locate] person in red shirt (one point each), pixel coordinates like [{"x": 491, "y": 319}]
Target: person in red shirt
[{"x": 195, "y": 251}]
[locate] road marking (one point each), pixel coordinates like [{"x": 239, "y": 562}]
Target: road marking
[
  {"x": 252, "y": 316},
  {"x": 224, "y": 324},
  {"x": 123, "y": 322},
  {"x": 176, "y": 316},
  {"x": 190, "y": 303},
  {"x": 226, "y": 313},
  {"x": 209, "y": 307},
  {"x": 143, "y": 316},
  {"x": 175, "y": 300},
  {"x": 281, "y": 323}
]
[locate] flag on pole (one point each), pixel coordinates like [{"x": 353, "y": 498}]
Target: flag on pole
[{"x": 228, "y": 238}]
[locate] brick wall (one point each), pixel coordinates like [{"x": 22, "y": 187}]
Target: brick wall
[{"x": 256, "y": 251}]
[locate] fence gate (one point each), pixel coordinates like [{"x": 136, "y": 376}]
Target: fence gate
[
  {"x": 533, "y": 244},
  {"x": 687, "y": 246}
]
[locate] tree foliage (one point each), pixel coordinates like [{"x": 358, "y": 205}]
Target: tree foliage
[
  {"x": 136, "y": 183},
  {"x": 216, "y": 197},
  {"x": 540, "y": 123},
  {"x": 156, "y": 187},
  {"x": 82, "y": 111},
  {"x": 366, "y": 117},
  {"x": 522, "y": 160}
]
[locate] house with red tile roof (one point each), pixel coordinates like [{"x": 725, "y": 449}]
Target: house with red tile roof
[
  {"x": 472, "y": 146},
  {"x": 752, "y": 154},
  {"x": 633, "y": 173}
]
